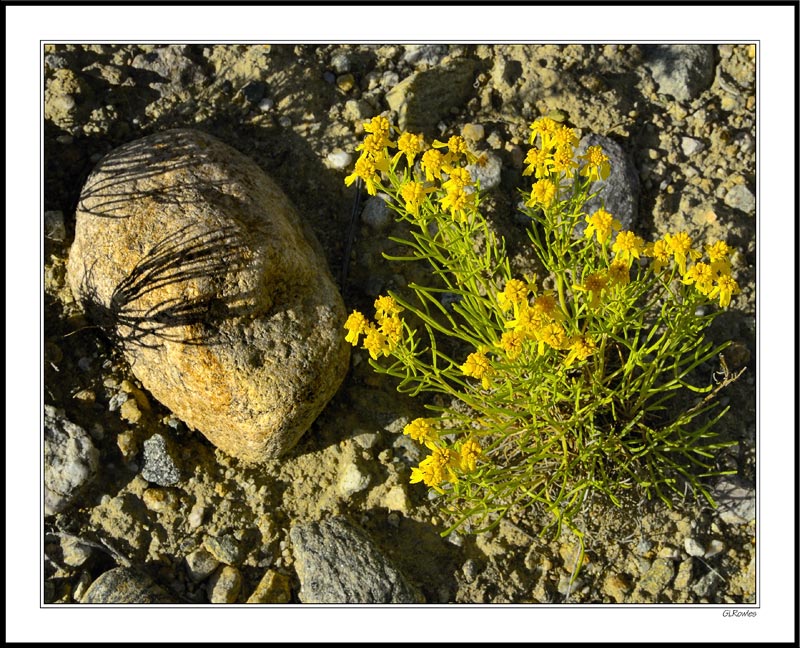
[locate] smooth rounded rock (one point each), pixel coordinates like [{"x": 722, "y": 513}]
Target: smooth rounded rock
[
  {"x": 125, "y": 586},
  {"x": 220, "y": 296}
]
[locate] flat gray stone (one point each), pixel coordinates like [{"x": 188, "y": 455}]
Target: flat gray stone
[
  {"x": 159, "y": 465},
  {"x": 681, "y": 71},
  {"x": 337, "y": 562}
]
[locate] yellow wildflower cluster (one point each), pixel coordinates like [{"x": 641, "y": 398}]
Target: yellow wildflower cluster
[
  {"x": 443, "y": 165},
  {"x": 712, "y": 279},
  {"x": 554, "y": 160},
  {"x": 382, "y": 337},
  {"x": 443, "y": 464}
]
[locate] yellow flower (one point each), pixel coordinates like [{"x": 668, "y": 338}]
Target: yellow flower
[
  {"x": 660, "y": 253},
  {"x": 601, "y": 222},
  {"x": 724, "y": 287},
  {"x": 594, "y": 284},
  {"x": 581, "y": 347},
  {"x": 511, "y": 343},
  {"x": 627, "y": 246},
  {"x": 619, "y": 273},
  {"x": 456, "y": 149},
  {"x": 421, "y": 430},
  {"x": 552, "y": 335},
  {"x": 385, "y": 305},
  {"x": 681, "y": 247},
  {"x": 392, "y": 328},
  {"x": 380, "y": 128},
  {"x": 526, "y": 320},
  {"x": 515, "y": 292},
  {"x": 457, "y": 202},
  {"x": 701, "y": 275},
  {"x": 432, "y": 163},
  {"x": 477, "y": 366},
  {"x": 356, "y": 324},
  {"x": 411, "y": 145},
  {"x": 368, "y": 169},
  {"x": 564, "y": 138},
  {"x": 470, "y": 452},
  {"x": 425, "y": 473},
  {"x": 414, "y": 194},
  {"x": 372, "y": 147},
  {"x": 718, "y": 251},
  {"x": 546, "y": 305},
  {"x": 543, "y": 193},
  {"x": 539, "y": 163},
  {"x": 376, "y": 343},
  {"x": 597, "y": 166},
  {"x": 544, "y": 127},
  {"x": 563, "y": 161},
  {"x": 444, "y": 461},
  {"x": 436, "y": 468},
  {"x": 718, "y": 254},
  {"x": 458, "y": 178}
]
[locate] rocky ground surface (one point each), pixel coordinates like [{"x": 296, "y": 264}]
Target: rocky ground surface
[{"x": 150, "y": 511}]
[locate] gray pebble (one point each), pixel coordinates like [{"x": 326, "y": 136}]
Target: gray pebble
[
  {"x": 265, "y": 105},
  {"x": 736, "y": 503},
  {"x": 707, "y": 585},
  {"x": 340, "y": 63},
  {"x": 337, "y": 562},
  {"x": 339, "y": 159},
  {"x": 54, "y": 225},
  {"x": 159, "y": 466},
  {"x": 681, "y": 71},
  {"x": 741, "y": 198},
  {"x": 408, "y": 450},
  {"x": 70, "y": 460},
  {"x": 424, "y": 54},
  {"x": 352, "y": 480},
  {"x": 376, "y": 213},
  {"x": 224, "y": 585},
  {"x": 690, "y": 146},
  {"x": 125, "y": 585},
  {"x": 488, "y": 174},
  {"x": 200, "y": 564},
  {"x": 693, "y": 547},
  {"x": 224, "y": 548},
  {"x": 470, "y": 570}
]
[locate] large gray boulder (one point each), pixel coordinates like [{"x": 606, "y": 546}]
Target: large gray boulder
[{"x": 197, "y": 263}]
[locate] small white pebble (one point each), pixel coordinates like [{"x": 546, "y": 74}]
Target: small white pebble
[
  {"x": 339, "y": 159},
  {"x": 265, "y": 105}
]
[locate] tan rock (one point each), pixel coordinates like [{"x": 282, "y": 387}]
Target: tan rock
[{"x": 194, "y": 259}]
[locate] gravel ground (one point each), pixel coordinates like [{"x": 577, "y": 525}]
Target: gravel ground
[{"x": 685, "y": 120}]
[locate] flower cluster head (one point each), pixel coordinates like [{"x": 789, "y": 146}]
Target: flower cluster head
[
  {"x": 601, "y": 223},
  {"x": 712, "y": 279},
  {"x": 443, "y": 464},
  {"x": 381, "y": 337},
  {"x": 374, "y": 159}
]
